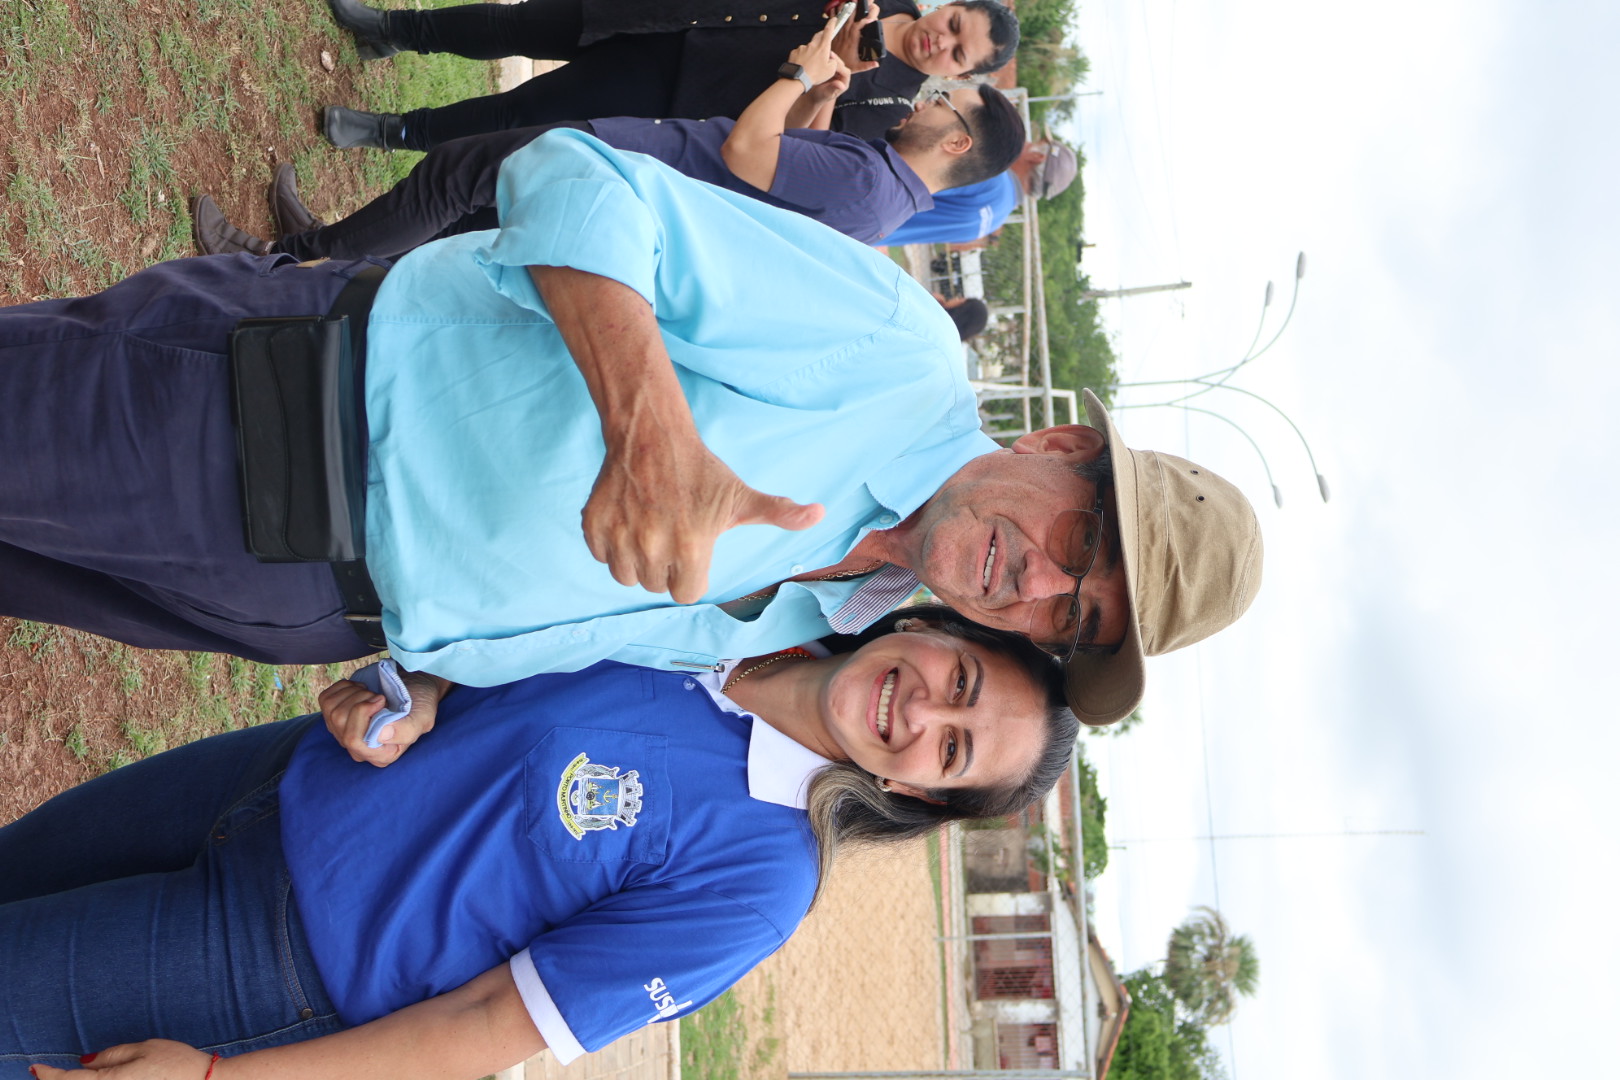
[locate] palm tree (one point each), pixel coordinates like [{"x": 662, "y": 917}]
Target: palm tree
[{"x": 1206, "y": 967}]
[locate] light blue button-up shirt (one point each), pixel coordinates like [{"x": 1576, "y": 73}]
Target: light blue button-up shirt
[{"x": 813, "y": 367}]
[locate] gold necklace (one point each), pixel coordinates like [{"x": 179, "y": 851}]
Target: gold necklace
[{"x": 794, "y": 653}]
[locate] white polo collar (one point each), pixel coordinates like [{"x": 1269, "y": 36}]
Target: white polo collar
[{"x": 779, "y": 768}]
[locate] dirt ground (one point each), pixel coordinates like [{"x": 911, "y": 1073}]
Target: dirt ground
[
  {"x": 116, "y": 112},
  {"x": 73, "y": 705},
  {"x": 858, "y": 987}
]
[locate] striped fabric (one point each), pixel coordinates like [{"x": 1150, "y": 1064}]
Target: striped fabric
[{"x": 881, "y": 592}]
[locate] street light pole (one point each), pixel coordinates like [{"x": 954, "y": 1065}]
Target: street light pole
[
  {"x": 1276, "y": 492},
  {"x": 1218, "y": 378},
  {"x": 1220, "y": 375},
  {"x": 1099, "y": 294},
  {"x": 1321, "y": 481}
]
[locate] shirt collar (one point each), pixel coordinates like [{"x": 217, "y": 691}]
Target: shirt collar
[
  {"x": 921, "y": 198},
  {"x": 779, "y": 768},
  {"x": 880, "y": 593}
]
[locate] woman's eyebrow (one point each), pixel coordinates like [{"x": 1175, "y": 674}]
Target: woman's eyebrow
[{"x": 978, "y": 684}]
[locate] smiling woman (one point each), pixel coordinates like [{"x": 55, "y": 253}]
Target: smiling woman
[{"x": 560, "y": 862}]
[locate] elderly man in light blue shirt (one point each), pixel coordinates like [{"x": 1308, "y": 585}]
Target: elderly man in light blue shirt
[
  {"x": 830, "y": 378},
  {"x": 647, "y": 419}
]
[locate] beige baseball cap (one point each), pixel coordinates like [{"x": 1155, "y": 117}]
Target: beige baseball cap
[{"x": 1191, "y": 548}]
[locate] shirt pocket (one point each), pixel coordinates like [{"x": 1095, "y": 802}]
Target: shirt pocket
[{"x": 598, "y": 796}]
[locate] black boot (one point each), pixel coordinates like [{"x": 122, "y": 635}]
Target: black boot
[
  {"x": 291, "y": 215},
  {"x": 216, "y": 236},
  {"x": 368, "y": 25},
  {"x": 351, "y": 127}
]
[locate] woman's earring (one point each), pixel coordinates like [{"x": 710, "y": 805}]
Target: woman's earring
[
  {"x": 883, "y": 785},
  {"x": 902, "y": 626}
]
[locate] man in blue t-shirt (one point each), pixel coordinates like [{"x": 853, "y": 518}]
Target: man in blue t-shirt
[
  {"x": 961, "y": 215},
  {"x": 863, "y": 189}
]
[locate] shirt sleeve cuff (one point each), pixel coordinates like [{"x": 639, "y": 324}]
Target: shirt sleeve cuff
[
  {"x": 542, "y": 1010},
  {"x": 567, "y": 199}
]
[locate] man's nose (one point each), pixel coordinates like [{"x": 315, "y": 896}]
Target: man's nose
[{"x": 1043, "y": 578}]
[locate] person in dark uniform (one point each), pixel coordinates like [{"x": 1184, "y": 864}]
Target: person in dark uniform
[{"x": 683, "y": 58}]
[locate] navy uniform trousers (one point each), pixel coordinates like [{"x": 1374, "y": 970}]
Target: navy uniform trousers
[{"x": 120, "y": 506}]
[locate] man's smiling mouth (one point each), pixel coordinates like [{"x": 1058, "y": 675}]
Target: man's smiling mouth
[{"x": 989, "y": 565}]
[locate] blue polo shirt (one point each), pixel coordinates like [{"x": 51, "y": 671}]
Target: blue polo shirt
[
  {"x": 629, "y": 841},
  {"x": 963, "y": 214},
  {"x": 862, "y": 189},
  {"x": 814, "y": 368}
]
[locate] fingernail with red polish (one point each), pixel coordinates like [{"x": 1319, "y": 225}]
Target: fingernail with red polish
[{"x": 85, "y": 1059}]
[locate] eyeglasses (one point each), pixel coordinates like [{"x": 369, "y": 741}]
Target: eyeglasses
[
  {"x": 942, "y": 95},
  {"x": 1073, "y": 544}
]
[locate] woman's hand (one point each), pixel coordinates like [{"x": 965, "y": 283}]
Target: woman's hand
[
  {"x": 847, "y": 44},
  {"x": 155, "y": 1059},
  {"x": 348, "y": 708}
]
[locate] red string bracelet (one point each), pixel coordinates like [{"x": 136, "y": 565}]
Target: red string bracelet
[{"x": 211, "y": 1063}]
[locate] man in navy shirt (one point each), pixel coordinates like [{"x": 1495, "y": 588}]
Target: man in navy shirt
[{"x": 862, "y": 189}]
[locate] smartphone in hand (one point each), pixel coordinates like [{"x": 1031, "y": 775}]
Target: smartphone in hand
[
  {"x": 871, "y": 46},
  {"x": 842, "y": 15}
]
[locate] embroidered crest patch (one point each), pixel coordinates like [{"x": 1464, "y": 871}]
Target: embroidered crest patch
[{"x": 593, "y": 797}]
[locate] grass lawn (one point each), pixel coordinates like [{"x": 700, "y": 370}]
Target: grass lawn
[{"x": 116, "y": 113}]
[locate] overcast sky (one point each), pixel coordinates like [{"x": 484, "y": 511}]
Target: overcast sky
[{"x": 1432, "y": 650}]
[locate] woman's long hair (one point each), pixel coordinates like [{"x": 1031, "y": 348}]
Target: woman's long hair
[{"x": 847, "y": 806}]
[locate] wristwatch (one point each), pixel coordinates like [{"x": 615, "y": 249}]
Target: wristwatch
[{"x": 791, "y": 70}]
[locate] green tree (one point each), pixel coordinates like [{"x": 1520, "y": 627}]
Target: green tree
[
  {"x": 1082, "y": 355},
  {"x": 1049, "y": 63},
  {"x": 1157, "y": 1044},
  {"x": 1094, "y": 821},
  {"x": 1206, "y": 967}
]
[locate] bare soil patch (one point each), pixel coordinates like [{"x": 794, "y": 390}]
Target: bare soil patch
[
  {"x": 857, "y": 989},
  {"x": 73, "y": 705}
]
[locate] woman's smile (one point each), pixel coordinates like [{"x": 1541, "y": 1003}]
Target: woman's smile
[{"x": 883, "y": 710}]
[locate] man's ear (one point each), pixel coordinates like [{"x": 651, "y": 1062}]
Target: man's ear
[
  {"x": 1066, "y": 440},
  {"x": 897, "y": 788},
  {"x": 957, "y": 143}
]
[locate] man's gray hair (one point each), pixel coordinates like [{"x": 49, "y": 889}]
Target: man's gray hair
[{"x": 1099, "y": 470}]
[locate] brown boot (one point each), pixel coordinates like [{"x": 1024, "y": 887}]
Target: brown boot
[
  {"x": 216, "y": 236},
  {"x": 288, "y": 210}
]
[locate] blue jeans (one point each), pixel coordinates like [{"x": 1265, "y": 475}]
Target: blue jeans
[{"x": 154, "y": 902}]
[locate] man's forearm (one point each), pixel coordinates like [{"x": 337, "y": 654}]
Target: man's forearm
[
  {"x": 661, "y": 499},
  {"x": 612, "y": 334},
  {"x": 816, "y": 114},
  {"x": 810, "y": 106},
  {"x": 754, "y": 147}
]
